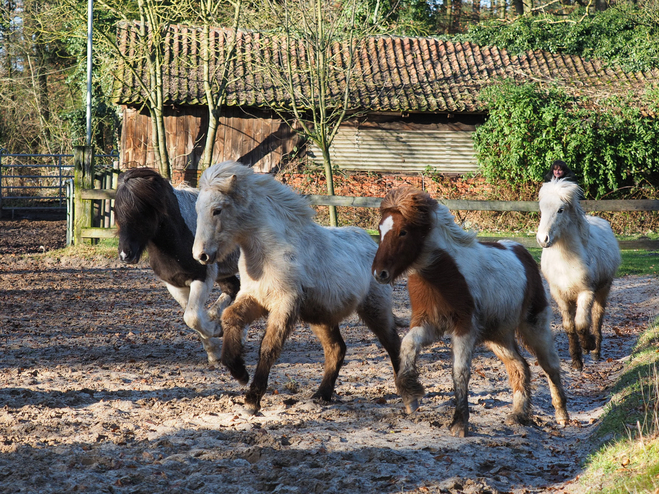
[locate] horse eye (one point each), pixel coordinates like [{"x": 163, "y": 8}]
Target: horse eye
[
  {"x": 217, "y": 211},
  {"x": 560, "y": 210},
  {"x": 402, "y": 233}
]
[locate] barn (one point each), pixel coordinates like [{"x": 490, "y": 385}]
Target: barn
[{"x": 414, "y": 106}]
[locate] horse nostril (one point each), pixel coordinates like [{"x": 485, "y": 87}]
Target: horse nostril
[
  {"x": 383, "y": 275},
  {"x": 203, "y": 257}
]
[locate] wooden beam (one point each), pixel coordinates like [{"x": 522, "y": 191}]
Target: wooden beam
[
  {"x": 83, "y": 178},
  {"x": 98, "y": 194},
  {"x": 98, "y": 232},
  {"x": 476, "y": 205}
]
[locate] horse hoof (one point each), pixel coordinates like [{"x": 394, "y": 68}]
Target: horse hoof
[
  {"x": 518, "y": 419},
  {"x": 562, "y": 418},
  {"x": 242, "y": 377},
  {"x": 595, "y": 356},
  {"x": 248, "y": 409},
  {"x": 577, "y": 365},
  {"x": 412, "y": 406},
  {"x": 588, "y": 343},
  {"x": 324, "y": 397},
  {"x": 458, "y": 430}
]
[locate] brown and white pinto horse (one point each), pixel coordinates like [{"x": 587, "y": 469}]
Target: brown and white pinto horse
[{"x": 474, "y": 292}]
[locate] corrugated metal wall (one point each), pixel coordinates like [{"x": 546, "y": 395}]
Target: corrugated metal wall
[{"x": 402, "y": 150}]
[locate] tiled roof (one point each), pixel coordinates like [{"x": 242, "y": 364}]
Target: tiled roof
[{"x": 401, "y": 74}]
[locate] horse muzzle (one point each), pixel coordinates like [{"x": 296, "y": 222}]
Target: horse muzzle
[
  {"x": 544, "y": 240},
  {"x": 204, "y": 257},
  {"x": 128, "y": 257},
  {"x": 382, "y": 276}
]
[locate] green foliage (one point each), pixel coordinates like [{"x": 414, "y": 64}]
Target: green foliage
[
  {"x": 625, "y": 34},
  {"x": 628, "y": 435},
  {"x": 528, "y": 127}
]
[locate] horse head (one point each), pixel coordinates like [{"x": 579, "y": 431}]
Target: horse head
[
  {"x": 139, "y": 207},
  {"x": 560, "y": 213},
  {"x": 221, "y": 197},
  {"x": 405, "y": 222}
]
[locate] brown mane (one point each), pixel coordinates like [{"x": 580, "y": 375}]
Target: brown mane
[{"x": 415, "y": 205}]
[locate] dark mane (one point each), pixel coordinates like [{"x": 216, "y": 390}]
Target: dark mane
[{"x": 141, "y": 193}]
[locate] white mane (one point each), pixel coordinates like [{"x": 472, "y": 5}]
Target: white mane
[
  {"x": 445, "y": 222},
  {"x": 258, "y": 188},
  {"x": 567, "y": 192}
]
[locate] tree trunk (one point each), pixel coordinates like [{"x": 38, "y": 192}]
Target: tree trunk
[{"x": 329, "y": 178}]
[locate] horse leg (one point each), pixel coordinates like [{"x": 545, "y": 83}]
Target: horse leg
[
  {"x": 540, "y": 341},
  {"x": 582, "y": 320},
  {"x": 195, "y": 315},
  {"x": 230, "y": 287},
  {"x": 235, "y": 319},
  {"x": 280, "y": 325},
  {"x": 407, "y": 380},
  {"x": 463, "y": 348},
  {"x": 599, "y": 307},
  {"x": 335, "y": 351},
  {"x": 518, "y": 374},
  {"x": 568, "y": 310},
  {"x": 376, "y": 313}
]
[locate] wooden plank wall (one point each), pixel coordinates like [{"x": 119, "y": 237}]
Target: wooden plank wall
[{"x": 258, "y": 138}]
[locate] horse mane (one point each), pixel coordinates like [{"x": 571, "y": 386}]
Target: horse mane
[
  {"x": 570, "y": 193},
  {"x": 248, "y": 185},
  {"x": 139, "y": 190},
  {"x": 419, "y": 209}
]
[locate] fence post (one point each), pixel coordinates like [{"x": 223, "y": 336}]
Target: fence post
[{"x": 83, "y": 161}]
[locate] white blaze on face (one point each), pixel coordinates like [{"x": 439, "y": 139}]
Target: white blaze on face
[{"x": 386, "y": 226}]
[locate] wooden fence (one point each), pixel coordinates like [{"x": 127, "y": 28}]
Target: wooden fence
[{"x": 85, "y": 193}]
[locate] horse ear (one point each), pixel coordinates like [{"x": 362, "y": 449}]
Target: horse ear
[{"x": 229, "y": 185}]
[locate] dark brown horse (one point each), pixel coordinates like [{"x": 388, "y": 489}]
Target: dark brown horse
[
  {"x": 154, "y": 216},
  {"x": 474, "y": 292}
]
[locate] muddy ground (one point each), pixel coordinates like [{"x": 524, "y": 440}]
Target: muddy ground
[{"x": 104, "y": 389}]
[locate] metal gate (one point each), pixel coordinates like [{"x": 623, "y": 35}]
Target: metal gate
[{"x": 37, "y": 182}]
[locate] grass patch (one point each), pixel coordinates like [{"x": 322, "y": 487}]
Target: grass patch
[
  {"x": 627, "y": 440},
  {"x": 106, "y": 248},
  {"x": 638, "y": 262}
]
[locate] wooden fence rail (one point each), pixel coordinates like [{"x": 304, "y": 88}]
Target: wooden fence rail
[{"x": 84, "y": 194}]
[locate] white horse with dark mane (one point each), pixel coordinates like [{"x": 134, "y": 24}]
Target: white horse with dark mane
[
  {"x": 580, "y": 256},
  {"x": 291, "y": 269},
  {"x": 156, "y": 217}
]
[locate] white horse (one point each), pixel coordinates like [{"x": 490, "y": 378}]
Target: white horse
[
  {"x": 580, "y": 256},
  {"x": 290, "y": 268}
]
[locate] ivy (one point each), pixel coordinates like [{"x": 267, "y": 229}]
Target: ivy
[
  {"x": 528, "y": 127},
  {"x": 626, "y": 35}
]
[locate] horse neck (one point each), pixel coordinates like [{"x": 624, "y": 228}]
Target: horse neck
[
  {"x": 446, "y": 235},
  {"x": 186, "y": 205},
  {"x": 575, "y": 241},
  {"x": 174, "y": 237}
]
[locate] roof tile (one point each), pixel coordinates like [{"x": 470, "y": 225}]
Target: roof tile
[{"x": 391, "y": 73}]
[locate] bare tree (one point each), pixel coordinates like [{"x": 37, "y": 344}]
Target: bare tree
[
  {"x": 216, "y": 75},
  {"x": 142, "y": 64},
  {"x": 313, "y": 69}
]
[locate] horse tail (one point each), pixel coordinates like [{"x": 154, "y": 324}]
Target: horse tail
[{"x": 535, "y": 298}]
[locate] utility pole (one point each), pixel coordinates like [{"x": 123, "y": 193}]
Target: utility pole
[{"x": 90, "y": 18}]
